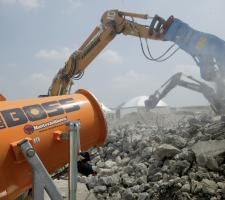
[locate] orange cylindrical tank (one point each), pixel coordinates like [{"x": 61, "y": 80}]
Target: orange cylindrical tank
[{"x": 42, "y": 121}]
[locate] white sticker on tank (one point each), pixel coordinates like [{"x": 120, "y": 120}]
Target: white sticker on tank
[{"x": 37, "y": 140}]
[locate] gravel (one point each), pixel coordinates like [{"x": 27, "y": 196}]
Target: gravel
[{"x": 141, "y": 160}]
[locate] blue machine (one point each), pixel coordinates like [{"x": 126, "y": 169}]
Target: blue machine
[{"x": 207, "y": 50}]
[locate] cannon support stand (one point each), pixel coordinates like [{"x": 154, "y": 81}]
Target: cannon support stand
[{"x": 42, "y": 181}]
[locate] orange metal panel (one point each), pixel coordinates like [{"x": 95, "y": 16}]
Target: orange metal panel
[{"x": 41, "y": 120}]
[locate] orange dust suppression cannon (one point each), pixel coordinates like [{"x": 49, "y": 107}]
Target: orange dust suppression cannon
[{"x": 42, "y": 122}]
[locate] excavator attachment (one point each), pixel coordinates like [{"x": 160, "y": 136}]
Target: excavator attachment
[
  {"x": 152, "y": 101},
  {"x": 208, "y": 92}
]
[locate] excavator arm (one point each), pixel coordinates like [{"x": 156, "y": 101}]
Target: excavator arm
[
  {"x": 206, "y": 49},
  {"x": 198, "y": 86},
  {"x": 112, "y": 23}
]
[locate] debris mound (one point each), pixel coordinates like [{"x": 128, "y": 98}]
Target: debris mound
[{"x": 141, "y": 161}]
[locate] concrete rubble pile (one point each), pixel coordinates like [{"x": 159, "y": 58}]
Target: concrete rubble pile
[{"x": 148, "y": 162}]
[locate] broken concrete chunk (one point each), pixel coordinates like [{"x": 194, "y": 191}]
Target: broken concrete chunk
[
  {"x": 100, "y": 188},
  {"x": 156, "y": 177},
  {"x": 124, "y": 161},
  {"x": 166, "y": 151},
  {"x": 109, "y": 164},
  {"x": 118, "y": 159},
  {"x": 209, "y": 186},
  {"x": 175, "y": 140},
  {"x": 186, "y": 188},
  {"x": 206, "y": 151},
  {"x": 110, "y": 180},
  {"x": 221, "y": 185},
  {"x": 143, "y": 196},
  {"x": 128, "y": 195},
  {"x": 103, "y": 171},
  {"x": 115, "y": 153},
  {"x": 147, "y": 152},
  {"x": 195, "y": 186},
  {"x": 210, "y": 148},
  {"x": 128, "y": 181},
  {"x": 100, "y": 164},
  {"x": 135, "y": 189},
  {"x": 212, "y": 164},
  {"x": 141, "y": 168},
  {"x": 116, "y": 196},
  {"x": 92, "y": 181}
]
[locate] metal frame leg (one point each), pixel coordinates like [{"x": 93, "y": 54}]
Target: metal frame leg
[
  {"x": 74, "y": 151},
  {"x": 41, "y": 178}
]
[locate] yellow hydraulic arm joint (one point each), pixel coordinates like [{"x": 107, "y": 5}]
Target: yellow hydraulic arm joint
[{"x": 113, "y": 22}]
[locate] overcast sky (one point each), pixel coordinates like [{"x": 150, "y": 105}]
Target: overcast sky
[{"x": 37, "y": 36}]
